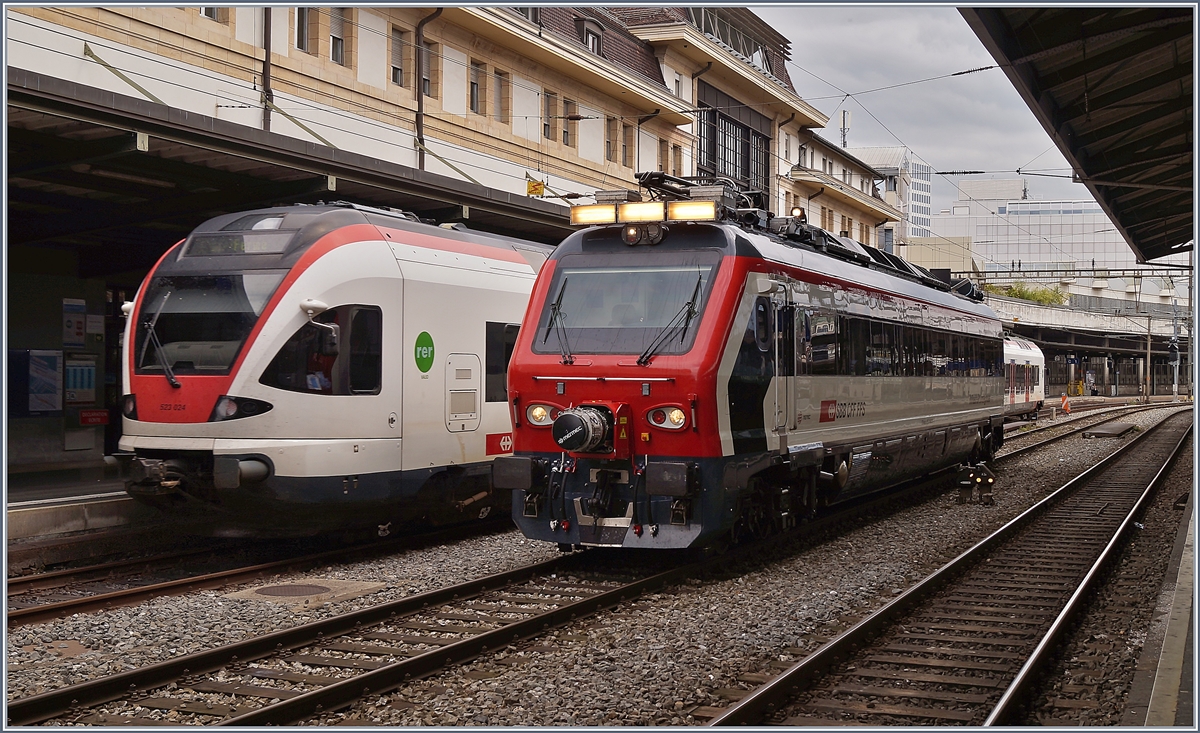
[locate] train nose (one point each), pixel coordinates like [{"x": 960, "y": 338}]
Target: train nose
[{"x": 581, "y": 429}]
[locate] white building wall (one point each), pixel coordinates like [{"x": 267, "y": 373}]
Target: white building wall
[
  {"x": 373, "y": 66},
  {"x": 281, "y": 40},
  {"x": 248, "y": 25},
  {"x": 591, "y": 135},
  {"x": 454, "y": 81},
  {"x": 526, "y": 109},
  {"x": 647, "y": 152}
]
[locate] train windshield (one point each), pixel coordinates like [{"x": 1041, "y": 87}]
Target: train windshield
[
  {"x": 625, "y": 304},
  {"x": 196, "y": 324}
]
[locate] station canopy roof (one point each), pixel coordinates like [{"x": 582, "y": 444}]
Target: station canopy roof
[
  {"x": 117, "y": 180},
  {"x": 1113, "y": 88}
]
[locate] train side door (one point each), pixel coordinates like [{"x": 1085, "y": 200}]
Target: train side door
[
  {"x": 463, "y": 378},
  {"x": 785, "y": 359}
]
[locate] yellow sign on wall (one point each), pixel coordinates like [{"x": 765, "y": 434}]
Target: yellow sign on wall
[{"x": 535, "y": 188}]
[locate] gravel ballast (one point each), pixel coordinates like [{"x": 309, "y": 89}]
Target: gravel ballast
[{"x": 650, "y": 662}]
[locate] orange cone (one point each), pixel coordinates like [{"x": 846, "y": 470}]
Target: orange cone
[{"x": 1066, "y": 406}]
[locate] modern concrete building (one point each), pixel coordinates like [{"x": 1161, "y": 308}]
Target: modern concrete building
[
  {"x": 1072, "y": 245},
  {"x": 907, "y": 185}
]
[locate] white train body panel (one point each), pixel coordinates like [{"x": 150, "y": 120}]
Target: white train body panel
[{"x": 387, "y": 286}]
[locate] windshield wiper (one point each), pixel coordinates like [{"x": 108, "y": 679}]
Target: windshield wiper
[
  {"x": 686, "y": 313},
  {"x": 556, "y": 324},
  {"x": 159, "y": 352}
]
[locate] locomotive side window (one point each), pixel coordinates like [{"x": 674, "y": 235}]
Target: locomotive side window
[
  {"x": 366, "y": 350},
  {"x": 320, "y": 360},
  {"x": 501, "y": 340},
  {"x": 762, "y": 323},
  {"x": 823, "y": 336}
]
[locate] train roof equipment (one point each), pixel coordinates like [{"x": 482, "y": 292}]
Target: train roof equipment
[{"x": 720, "y": 200}]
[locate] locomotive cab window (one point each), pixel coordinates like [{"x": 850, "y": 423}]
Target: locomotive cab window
[
  {"x": 198, "y": 324},
  {"x": 626, "y": 303},
  {"x": 340, "y": 354}
]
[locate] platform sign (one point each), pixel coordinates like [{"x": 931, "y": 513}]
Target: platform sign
[
  {"x": 74, "y": 322},
  {"x": 80, "y": 379},
  {"x": 45, "y": 381},
  {"x": 93, "y": 417}
]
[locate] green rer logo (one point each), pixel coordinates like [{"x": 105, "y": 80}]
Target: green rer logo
[{"x": 424, "y": 351}]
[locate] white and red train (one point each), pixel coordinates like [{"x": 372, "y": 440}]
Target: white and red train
[
  {"x": 690, "y": 370},
  {"x": 299, "y": 369},
  {"x": 1024, "y": 375}
]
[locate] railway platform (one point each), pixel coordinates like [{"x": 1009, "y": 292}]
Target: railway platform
[{"x": 1162, "y": 690}]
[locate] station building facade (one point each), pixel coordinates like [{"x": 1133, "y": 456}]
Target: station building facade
[{"x": 547, "y": 102}]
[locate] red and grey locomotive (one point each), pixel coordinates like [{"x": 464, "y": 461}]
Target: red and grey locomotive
[{"x": 693, "y": 368}]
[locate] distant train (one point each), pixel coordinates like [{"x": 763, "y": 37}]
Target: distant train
[
  {"x": 694, "y": 369},
  {"x": 299, "y": 369},
  {"x": 1024, "y": 379}
]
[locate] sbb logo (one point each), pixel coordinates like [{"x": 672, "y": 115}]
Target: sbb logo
[
  {"x": 499, "y": 443},
  {"x": 828, "y": 410}
]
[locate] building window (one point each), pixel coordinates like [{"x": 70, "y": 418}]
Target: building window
[
  {"x": 427, "y": 56},
  {"x": 664, "y": 155},
  {"x": 478, "y": 74},
  {"x": 337, "y": 35},
  {"x": 399, "y": 49},
  {"x": 612, "y": 129},
  {"x": 570, "y": 126},
  {"x": 549, "y": 115},
  {"x": 306, "y": 27},
  {"x": 678, "y": 85},
  {"x": 592, "y": 40},
  {"x": 534, "y": 15},
  {"x": 677, "y": 160},
  {"x": 628, "y": 146},
  {"x": 730, "y": 148},
  {"x": 220, "y": 15},
  {"x": 503, "y": 103}
]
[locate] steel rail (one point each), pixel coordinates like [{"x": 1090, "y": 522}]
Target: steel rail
[
  {"x": 1017, "y": 694},
  {"x": 1075, "y": 430},
  {"x": 765, "y": 700},
  {"x": 37, "y": 708},
  {"x": 340, "y": 694}
]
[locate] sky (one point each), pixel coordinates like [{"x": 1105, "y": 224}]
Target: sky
[{"x": 971, "y": 122}]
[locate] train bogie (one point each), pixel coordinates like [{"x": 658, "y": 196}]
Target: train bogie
[{"x": 347, "y": 374}]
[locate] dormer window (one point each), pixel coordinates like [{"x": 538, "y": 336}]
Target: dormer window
[{"x": 591, "y": 33}]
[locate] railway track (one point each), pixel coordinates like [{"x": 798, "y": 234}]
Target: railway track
[
  {"x": 99, "y": 587},
  {"x": 1075, "y": 427},
  {"x": 967, "y": 644},
  {"x": 324, "y": 665},
  {"x": 291, "y": 675},
  {"x": 46, "y": 596}
]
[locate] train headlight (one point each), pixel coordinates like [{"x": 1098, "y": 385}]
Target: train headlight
[
  {"x": 129, "y": 406},
  {"x": 232, "y": 408},
  {"x": 593, "y": 214},
  {"x": 640, "y": 211},
  {"x": 634, "y": 234},
  {"x": 671, "y": 418},
  {"x": 691, "y": 211},
  {"x": 540, "y": 415}
]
